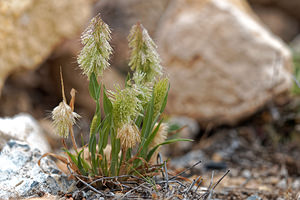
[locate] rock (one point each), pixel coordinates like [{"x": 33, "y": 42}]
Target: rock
[
  {"x": 296, "y": 184},
  {"x": 254, "y": 197},
  {"x": 223, "y": 69},
  {"x": 31, "y": 29},
  {"x": 23, "y": 127},
  {"x": 282, "y": 184},
  {"x": 246, "y": 174},
  {"x": 21, "y": 176}
]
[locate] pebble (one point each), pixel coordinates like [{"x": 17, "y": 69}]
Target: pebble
[
  {"x": 254, "y": 197},
  {"x": 282, "y": 184},
  {"x": 246, "y": 174},
  {"x": 296, "y": 184}
]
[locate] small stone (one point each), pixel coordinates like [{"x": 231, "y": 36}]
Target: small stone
[
  {"x": 247, "y": 174},
  {"x": 282, "y": 184},
  {"x": 296, "y": 184},
  {"x": 254, "y": 197},
  {"x": 284, "y": 172}
]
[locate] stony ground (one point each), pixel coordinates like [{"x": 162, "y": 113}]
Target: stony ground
[{"x": 262, "y": 153}]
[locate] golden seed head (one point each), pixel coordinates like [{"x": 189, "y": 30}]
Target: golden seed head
[
  {"x": 160, "y": 136},
  {"x": 63, "y": 118},
  {"x": 129, "y": 136},
  {"x": 107, "y": 152}
]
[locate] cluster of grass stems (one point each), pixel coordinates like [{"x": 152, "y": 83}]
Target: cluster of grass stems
[{"x": 126, "y": 134}]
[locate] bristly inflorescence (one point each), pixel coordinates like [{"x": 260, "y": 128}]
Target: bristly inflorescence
[
  {"x": 63, "y": 118},
  {"x": 96, "y": 51},
  {"x": 129, "y": 136},
  {"x": 160, "y": 90},
  {"x": 126, "y": 106},
  {"x": 144, "y": 57}
]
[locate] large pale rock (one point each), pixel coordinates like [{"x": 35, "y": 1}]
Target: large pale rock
[
  {"x": 30, "y": 29},
  {"x": 223, "y": 64},
  {"x": 23, "y": 127}
]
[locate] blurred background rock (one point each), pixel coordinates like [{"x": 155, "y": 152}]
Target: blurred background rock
[{"x": 226, "y": 59}]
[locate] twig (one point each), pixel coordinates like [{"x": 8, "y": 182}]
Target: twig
[
  {"x": 192, "y": 185},
  {"x": 111, "y": 178},
  {"x": 221, "y": 179},
  {"x": 73, "y": 138},
  {"x": 212, "y": 179},
  {"x": 167, "y": 177},
  {"x": 197, "y": 163},
  {"x": 206, "y": 194},
  {"x": 211, "y": 188},
  {"x": 197, "y": 188},
  {"x": 172, "y": 181},
  {"x": 91, "y": 187},
  {"x": 85, "y": 183},
  {"x": 135, "y": 188}
]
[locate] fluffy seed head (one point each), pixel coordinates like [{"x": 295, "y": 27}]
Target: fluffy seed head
[
  {"x": 63, "y": 118},
  {"x": 129, "y": 136},
  {"x": 95, "y": 54},
  {"x": 126, "y": 106},
  {"x": 159, "y": 138},
  {"x": 144, "y": 57}
]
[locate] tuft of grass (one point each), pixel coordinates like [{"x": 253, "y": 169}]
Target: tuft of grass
[{"x": 124, "y": 139}]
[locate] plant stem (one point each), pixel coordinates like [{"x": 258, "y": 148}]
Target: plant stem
[{"x": 73, "y": 138}]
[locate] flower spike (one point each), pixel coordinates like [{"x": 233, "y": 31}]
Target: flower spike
[
  {"x": 95, "y": 54},
  {"x": 144, "y": 57}
]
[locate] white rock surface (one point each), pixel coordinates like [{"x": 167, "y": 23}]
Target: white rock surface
[
  {"x": 223, "y": 64},
  {"x": 23, "y": 127},
  {"x": 21, "y": 177}
]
